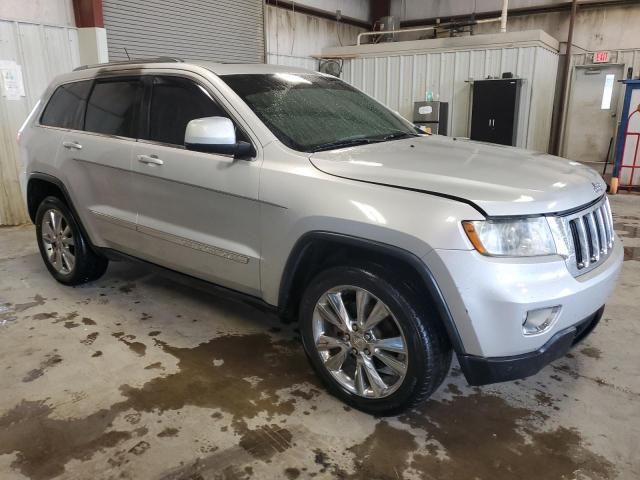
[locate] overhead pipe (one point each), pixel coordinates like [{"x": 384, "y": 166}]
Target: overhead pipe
[
  {"x": 422, "y": 29},
  {"x": 503, "y": 17}
]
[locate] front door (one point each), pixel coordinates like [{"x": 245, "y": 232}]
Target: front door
[
  {"x": 591, "y": 119},
  {"x": 197, "y": 212}
]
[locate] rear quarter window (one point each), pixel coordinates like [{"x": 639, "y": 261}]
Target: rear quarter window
[{"x": 66, "y": 106}]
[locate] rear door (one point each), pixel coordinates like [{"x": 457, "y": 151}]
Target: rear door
[
  {"x": 197, "y": 211},
  {"x": 96, "y": 162}
]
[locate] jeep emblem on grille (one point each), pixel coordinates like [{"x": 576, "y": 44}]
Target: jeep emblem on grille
[{"x": 596, "y": 187}]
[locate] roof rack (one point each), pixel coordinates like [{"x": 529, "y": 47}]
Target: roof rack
[{"x": 131, "y": 62}]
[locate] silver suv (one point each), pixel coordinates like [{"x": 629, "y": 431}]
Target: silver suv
[{"x": 392, "y": 248}]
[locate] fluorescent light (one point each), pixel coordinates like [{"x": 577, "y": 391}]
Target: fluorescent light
[{"x": 607, "y": 93}]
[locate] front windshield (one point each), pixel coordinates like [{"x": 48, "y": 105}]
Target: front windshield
[{"x": 313, "y": 112}]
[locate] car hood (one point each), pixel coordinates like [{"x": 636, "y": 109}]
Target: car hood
[{"x": 500, "y": 180}]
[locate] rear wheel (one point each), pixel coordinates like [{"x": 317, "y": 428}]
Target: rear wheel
[
  {"x": 370, "y": 342},
  {"x": 64, "y": 249}
]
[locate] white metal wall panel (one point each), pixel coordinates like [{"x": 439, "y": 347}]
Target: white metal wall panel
[
  {"x": 292, "y": 37},
  {"x": 399, "y": 80},
  {"x": 461, "y": 93},
  {"x": 43, "y": 51},
  {"x": 290, "y": 61},
  {"x": 220, "y": 31},
  {"x": 406, "y": 82},
  {"x": 544, "y": 71}
]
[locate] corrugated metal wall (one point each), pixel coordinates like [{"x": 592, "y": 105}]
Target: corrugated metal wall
[
  {"x": 293, "y": 37},
  {"x": 399, "y": 80},
  {"x": 43, "y": 51},
  {"x": 220, "y": 31}
]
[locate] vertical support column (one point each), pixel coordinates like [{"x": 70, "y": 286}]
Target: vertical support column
[
  {"x": 566, "y": 82},
  {"x": 92, "y": 36}
]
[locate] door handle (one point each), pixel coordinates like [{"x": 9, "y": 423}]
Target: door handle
[
  {"x": 72, "y": 145},
  {"x": 150, "y": 160}
]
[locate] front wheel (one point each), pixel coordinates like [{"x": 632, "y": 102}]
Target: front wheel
[{"x": 371, "y": 342}]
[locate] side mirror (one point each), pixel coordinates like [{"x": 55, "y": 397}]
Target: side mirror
[{"x": 216, "y": 135}]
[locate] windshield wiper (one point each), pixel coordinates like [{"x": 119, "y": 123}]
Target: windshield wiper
[
  {"x": 347, "y": 142},
  {"x": 351, "y": 142},
  {"x": 397, "y": 135}
]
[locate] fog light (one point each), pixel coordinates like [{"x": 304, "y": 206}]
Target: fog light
[{"x": 539, "y": 320}]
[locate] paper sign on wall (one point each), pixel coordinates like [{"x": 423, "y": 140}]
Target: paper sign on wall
[{"x": 11, "y": 79}]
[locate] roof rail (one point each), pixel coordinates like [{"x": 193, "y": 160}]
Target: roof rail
[{"x": 130, "y": 62}]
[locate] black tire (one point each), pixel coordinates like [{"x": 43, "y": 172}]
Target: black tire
[
  {"x": 427, "y": 344},
  {"x": 88, "y": 264}
]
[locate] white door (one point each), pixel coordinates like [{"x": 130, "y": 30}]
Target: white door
[{"x": 591, "y": 120}]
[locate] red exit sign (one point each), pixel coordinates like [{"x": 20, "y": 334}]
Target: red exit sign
[{"x": 601, "y": 57}]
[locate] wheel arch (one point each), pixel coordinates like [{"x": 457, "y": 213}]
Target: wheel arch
[
  {"x": 316, "y": 250},
  {"x": 42, "y": 185}
]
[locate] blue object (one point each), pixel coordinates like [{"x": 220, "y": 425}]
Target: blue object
[{"x": 631, "y": 85}]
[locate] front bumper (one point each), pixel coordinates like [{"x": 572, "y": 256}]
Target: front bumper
[
  {"x": 489, "y": 297},
  {"x": 482, "y": 371}
]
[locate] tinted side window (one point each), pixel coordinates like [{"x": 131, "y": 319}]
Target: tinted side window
[
  {"x": 66, "y": 106},
  {"x": 113, "y": 106},
  {"x": 174, "y": 103}
]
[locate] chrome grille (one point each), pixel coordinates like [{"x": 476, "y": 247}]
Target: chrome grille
[{"x": 589, "y": 236}]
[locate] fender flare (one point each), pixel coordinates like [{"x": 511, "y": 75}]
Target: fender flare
[
  {"x": 67, "y": 198},
  {"x": 309, "y": 238},
  {"x": 53, "y": 180}
]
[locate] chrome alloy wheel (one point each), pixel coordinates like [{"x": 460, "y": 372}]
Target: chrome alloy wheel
[
  {"x": 360, "y": 341},
  {"x": 58, "y": 241}
]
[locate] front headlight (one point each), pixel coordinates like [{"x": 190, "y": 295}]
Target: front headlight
[{"x": 520, "y": 237}]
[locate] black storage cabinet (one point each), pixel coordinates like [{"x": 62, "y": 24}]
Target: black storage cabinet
[{"x": 494, "y": 115}]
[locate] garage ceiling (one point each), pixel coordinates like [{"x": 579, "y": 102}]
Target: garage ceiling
[{"x": 222, "y": 31}]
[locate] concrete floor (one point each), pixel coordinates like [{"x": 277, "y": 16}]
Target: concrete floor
[{"x": 141, "y": 375}]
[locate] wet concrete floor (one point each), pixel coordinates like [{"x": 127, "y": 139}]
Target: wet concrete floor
[{"x": 143, "y": 375}]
